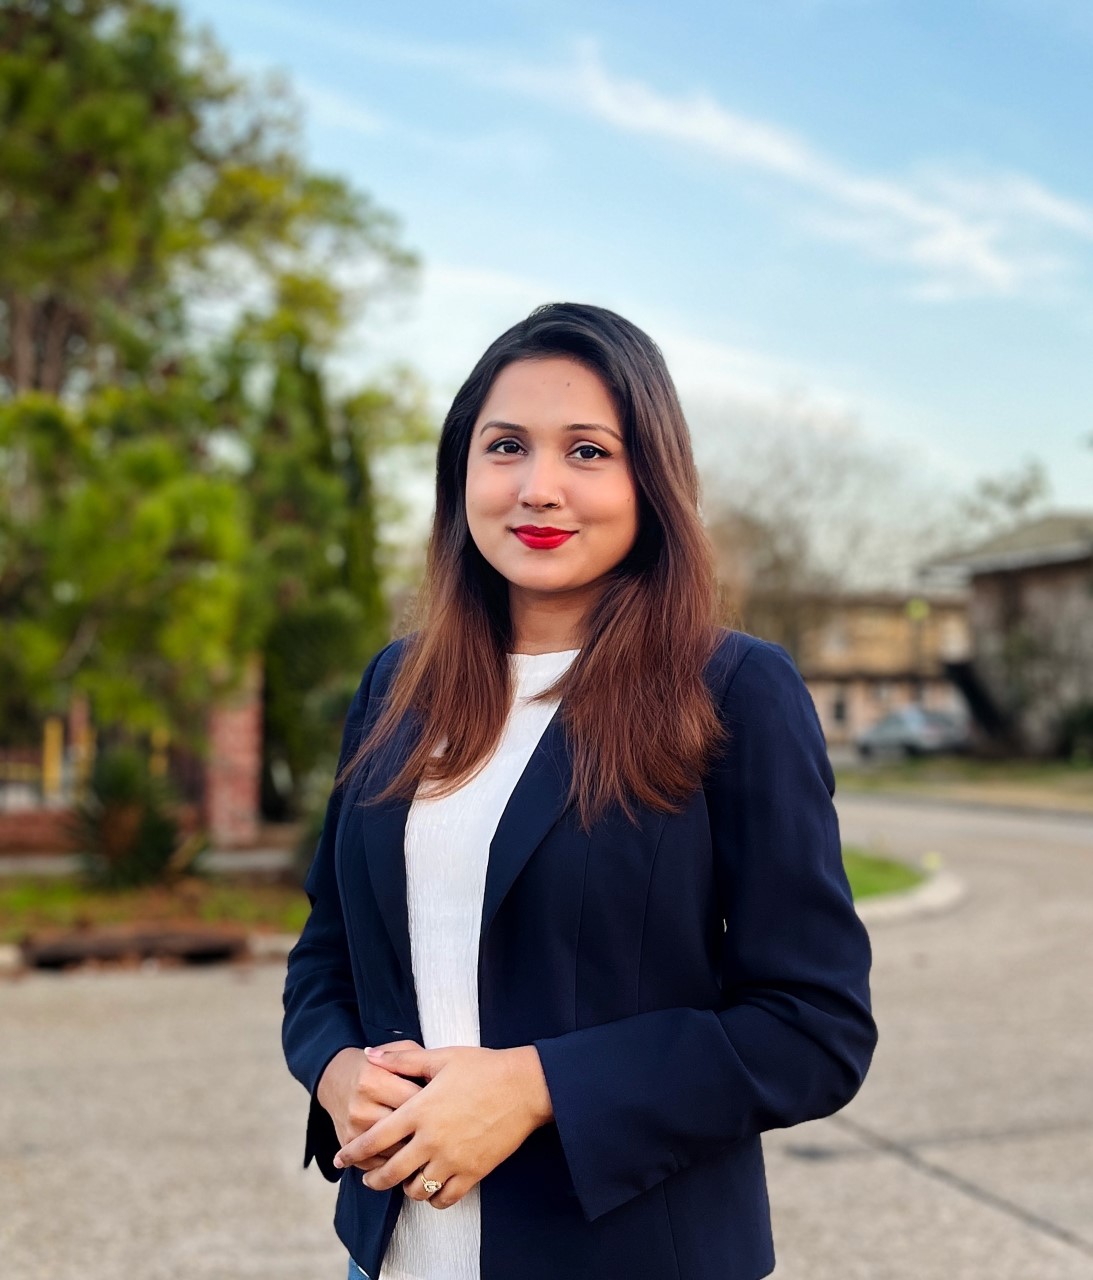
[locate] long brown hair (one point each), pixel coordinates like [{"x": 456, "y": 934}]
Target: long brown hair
[{"x": 638, "y": 716}]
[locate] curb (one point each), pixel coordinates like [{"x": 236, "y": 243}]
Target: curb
[
  {"x": 942, "y": 892},
  {"x": 262, "y": 860},
  {"x": 260, "y": 946},
  {"x": 271, "y": 946},
  {"x": 917, "y": 799}
]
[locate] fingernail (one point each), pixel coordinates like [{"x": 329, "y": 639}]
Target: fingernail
[
  {"x": 339, "y": 1163},
  {"x": 374, "y": 1053},
  {"x": 365, "y": 1180}
]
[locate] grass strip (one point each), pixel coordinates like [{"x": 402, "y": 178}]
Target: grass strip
[
  {"x": 30, "y": 903},
  {"x": 870, "y": 874}
]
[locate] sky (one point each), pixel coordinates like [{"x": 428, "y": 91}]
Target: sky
[{"x": 859, "y": 215}]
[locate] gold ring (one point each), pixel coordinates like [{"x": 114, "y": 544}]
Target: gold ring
[{"x": 430, "y": 1184}]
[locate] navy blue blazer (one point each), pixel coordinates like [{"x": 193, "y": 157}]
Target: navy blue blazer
[{"x": 689, "y": 982}]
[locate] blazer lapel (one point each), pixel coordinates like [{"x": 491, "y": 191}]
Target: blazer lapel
[
  {"x": 383, "y": 828},
  {"x": 535, "y": 805}
]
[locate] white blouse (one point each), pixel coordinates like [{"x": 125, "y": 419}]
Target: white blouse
[{"x": 446, "y": 850}]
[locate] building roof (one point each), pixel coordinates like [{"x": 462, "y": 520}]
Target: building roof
[{"x": 1056, "y": 538}]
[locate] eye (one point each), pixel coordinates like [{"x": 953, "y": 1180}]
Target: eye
[{"x": 503, "y": 448}]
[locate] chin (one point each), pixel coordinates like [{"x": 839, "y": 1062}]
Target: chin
[
  {"x": 540, "y": 584},
  {"x": 543, "y": 580},
  {"x": 558, "y": 588}
]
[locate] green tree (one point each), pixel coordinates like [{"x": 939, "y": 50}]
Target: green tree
[
  {"x": 124, "y": 552},
  {"x": 137, "y": 168},
  {"x": 170, "y": 505},
  {"x": 315, "y": 520}
]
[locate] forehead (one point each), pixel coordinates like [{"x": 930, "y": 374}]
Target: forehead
[{"x": 554, "y": 391}]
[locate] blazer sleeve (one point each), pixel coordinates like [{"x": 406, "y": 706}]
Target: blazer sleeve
[
  {"x": 321, "y": 1014},
  {"x": 636, "y": 1100}
]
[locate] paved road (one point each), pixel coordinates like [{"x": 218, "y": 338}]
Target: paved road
[
  {"x": 968, "y": 1154},
  {"x": 148, "y": 1127}
]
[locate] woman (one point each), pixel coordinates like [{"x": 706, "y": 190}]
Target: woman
[{"x": 580, "y": 930}]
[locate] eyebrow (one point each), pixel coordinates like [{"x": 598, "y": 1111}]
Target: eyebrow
[{"x": 572, "y": 426}]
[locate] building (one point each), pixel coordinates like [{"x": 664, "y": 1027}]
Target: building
[
  {"x": 219, "y": 794},
  {"x": 1030, "y": 614},
  {"x": 863, "y": 654}
]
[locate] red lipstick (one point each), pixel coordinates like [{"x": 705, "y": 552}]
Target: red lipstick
[{"x": 532, "y": 535}]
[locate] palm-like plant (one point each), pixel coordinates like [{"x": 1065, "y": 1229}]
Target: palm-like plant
[{"x": 123, "y": 824}]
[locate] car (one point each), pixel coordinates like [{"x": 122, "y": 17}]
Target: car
[{"x": 913, "y": 731}]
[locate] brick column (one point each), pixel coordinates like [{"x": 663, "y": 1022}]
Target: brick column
[{"x": 234, "y": 764}]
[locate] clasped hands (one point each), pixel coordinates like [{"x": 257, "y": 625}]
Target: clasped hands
[{"x": 476, "y": 1107}]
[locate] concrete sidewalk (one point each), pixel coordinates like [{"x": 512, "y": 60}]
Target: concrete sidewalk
[
  {"x": 260, "y": 861},
  {"x": 1059, "y": 791}
]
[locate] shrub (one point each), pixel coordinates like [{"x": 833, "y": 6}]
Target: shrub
[
  {"x": 310, "y": 835},
  {"x": 1076, "y": 733},
  {"x": 123, "y": 824}
]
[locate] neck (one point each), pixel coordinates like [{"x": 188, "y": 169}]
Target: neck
[{"x": 547, "y": 623}]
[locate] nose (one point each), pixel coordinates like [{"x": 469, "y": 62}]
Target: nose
[{"x": 540, "y": 481}]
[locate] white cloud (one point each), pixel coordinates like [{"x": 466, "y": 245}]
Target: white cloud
[
  {"x": 1013, "y": 196},
  {"x": 456, "y": 313},
  {"x": 459, "y": 310},
  {"x": 963, "y": 237},
  {"x": 959, "y": 234},
  {"x": 338, "y": 110},
  {"x": 730, "y": 393},
  {"x": 510, "y": 148}
]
